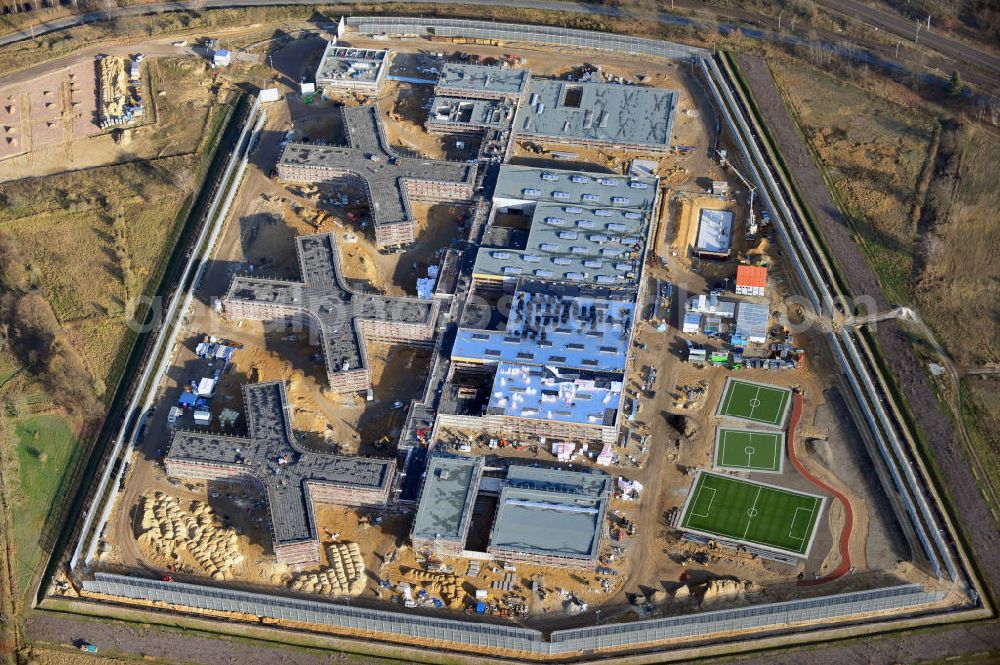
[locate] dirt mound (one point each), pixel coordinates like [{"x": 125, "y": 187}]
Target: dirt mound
[{"x": 728, "y": 590}]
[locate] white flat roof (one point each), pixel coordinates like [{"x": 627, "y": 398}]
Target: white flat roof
[{"x": 715, "y": 231}]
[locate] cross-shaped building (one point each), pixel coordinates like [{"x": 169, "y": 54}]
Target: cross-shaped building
[
  {"x": 390, "y": 181},
  {"x": 293, "y": 479},
  {"x": 344, "y": 318}
]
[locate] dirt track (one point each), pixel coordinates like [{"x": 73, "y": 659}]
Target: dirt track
[{"x": 897, "y": 350}]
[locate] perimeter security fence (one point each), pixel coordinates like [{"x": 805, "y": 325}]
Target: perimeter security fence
[
  {"x": 513, "y": 32},
  {"x": 781, "y": 616}
]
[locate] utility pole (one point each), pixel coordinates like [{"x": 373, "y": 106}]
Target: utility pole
[
  {"x": 779, "y": 18},
  {"x": 916, "y": 38},
  {"x": 898, "y": 42},
  {"x": 928, "y": 23}
]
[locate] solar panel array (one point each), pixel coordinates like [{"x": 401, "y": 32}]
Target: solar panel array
[
  {"x": 512, "y": 32},
  {"x": 525, "y": 640}
]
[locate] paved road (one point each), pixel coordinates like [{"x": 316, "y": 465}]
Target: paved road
[{"x": 953, "y": 48}]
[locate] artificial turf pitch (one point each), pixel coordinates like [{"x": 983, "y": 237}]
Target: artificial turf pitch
[
  {"x": 752, "y": 513},
  {"x": 750, "y": 451},
  {"x": 754, "y": 401}
]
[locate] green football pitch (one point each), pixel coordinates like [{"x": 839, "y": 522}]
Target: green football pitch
[
  {"x": 746, "y": 450},
  {"x": 751, "y": 513},
  {"x": 754, "y": 401}
]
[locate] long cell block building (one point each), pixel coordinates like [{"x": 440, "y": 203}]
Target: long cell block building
[
  {"x": 390, "y": 181},
  {"x": 342, "y": 317},
  {"x": 293, "y": 479}
]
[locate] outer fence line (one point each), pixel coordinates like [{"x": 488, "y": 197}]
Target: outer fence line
[{"x": 513, "y": 638}]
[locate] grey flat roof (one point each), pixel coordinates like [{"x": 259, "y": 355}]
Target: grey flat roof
[
  {"x": 551, "y": 512},
  {"x": 558, "y": 325},
  {"x": 483, "y": 78},
  {"x": 458, "y": 112},
  {"x": 751, "y": 320},
  {"x": 270, "y": 455},
  {"x": 602, "y": 246},
  {"x": 385, "y": 174},
  {"x": 344, "y": 63},
  {"x": 326, "y": 299},
  {"x": 611, "y": 113},
  {"x": 715, "y": 231},
  {"x": 530, "y": 184},
  {"x": 447, "y": 497}
]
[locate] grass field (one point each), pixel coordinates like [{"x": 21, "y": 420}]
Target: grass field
[
  {"x": 757, "y": 402},
  {"x": 751, "y": 513},
  {"x": 750, "y": 451},
  {"x": 875, "y": 166},
  {"x": 46, "y": 449}
]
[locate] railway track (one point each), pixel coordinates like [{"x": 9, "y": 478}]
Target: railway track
[{"x": 820, "y": 282}]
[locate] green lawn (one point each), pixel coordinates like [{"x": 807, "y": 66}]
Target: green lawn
[
  {"x": 752, "y": 513},
  {"x": 46, "y": 449},
  {"x": 757, "y": 402},
  {"x": 743, "y": 449}
]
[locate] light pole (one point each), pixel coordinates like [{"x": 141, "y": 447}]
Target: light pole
[{"x": 779, "y": 18}]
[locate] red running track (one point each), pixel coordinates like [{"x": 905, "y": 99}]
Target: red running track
[{"x": 845, "y": 535}]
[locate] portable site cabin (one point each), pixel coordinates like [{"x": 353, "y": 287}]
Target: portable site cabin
[
  {"x": 222, "y": 58},
  {"x": 203, "y": 417},
  {"x": 206, "y": 387},
  {"x": 174, "y": 413}
]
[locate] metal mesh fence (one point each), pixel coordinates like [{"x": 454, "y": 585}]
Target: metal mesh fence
[
  {"x": 513, "y": 32},
  {"x": 512, "y": 638}
]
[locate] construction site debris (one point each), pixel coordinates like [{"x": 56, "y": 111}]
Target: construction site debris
[
  {"x": 173, "y": 531},
  {"x": 345, "y": 576}
]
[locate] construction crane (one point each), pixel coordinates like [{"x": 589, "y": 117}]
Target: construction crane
[{"x": 724, "y": 162}]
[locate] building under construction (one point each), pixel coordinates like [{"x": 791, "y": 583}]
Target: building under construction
[
  {"x": 292, "y": 478},
  {"x": 595, "y": 114},
  {"x": 481, "y": 81},
  {"x": 356, "y": 70},
  {"x": 544, "y": 516},
  {"x": 343, "y": 318},
  {"x": 550, "y": 517},
  {"x": 447, "y": 496},
  {"x": 390, "y": 181},
  {"x": 555, "y": 370},
  {"x": 585, "y": 113},
  {"x": 584, "y": 228}
]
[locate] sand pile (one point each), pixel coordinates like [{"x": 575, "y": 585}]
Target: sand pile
[
  {"x": 345, "y": 576},
  {"x": 440, "y": 585},
  {"x": 170, "y": 530},
  {"x": 726, "y": 590}
]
